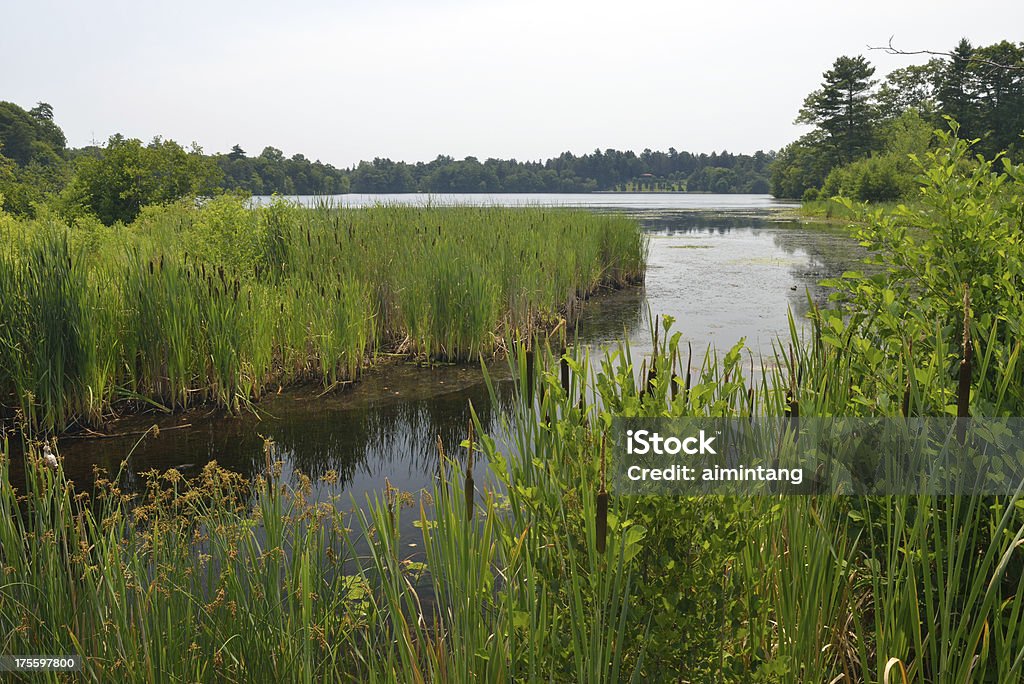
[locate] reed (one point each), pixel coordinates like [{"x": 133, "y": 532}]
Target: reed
[
  {"x": 541, "y": 574},
  {"x": 214, "y": 304}
]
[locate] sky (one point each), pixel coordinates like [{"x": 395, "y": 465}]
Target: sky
[{"x": 344, "y": 81}]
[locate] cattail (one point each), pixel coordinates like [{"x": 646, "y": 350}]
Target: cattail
[
  {"x": 689, "y": 370},
  {"x": 643, "y": 376},
  {"x": 673, "y": 386},
  {"x": 529, "y": 374},
  {"x": 441, "y": 458},
  {"x": 792, "y": 406},
  {"x": 652, "y": 376},
  {"x": 963, "y": 391},
  {"x": 906, "y": 390},
  {"x": 469, "y": 476},
  {"x": 565, "y": 371},
  {"x": 601, "y": 526}
]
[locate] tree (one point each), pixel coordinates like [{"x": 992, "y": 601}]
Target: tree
[
  {"x": 956, "y": 90},
  {"x": 911, "y": 88},
  {"x": 30, "y": 136},
  {"x": 236, "y": 153},
  {"x": 802, "y": 165},
  {"x": 842, "y": 107},
  {"x": 1000, "y": 96},
  {"x": 126, "y": 176},
  {"x": 272, "y": 154}
]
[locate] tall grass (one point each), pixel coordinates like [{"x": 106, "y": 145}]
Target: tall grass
[
  {"x": 541, "y": 582},
  {"x": 217, "y": 303}
]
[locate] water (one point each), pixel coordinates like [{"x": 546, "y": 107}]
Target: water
[
  {"x": 597, "y": 200},
  {"x": 725, "y": 267}
]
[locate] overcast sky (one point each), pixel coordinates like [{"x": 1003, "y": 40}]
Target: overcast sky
[{"x": 343, "y": 81}]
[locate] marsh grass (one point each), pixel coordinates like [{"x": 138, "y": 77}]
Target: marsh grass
[
  {"x": 550, "y": 578},
  {"x": 215, "y": 304}
]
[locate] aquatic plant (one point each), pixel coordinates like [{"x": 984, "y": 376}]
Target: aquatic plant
[{"x": 215, "y": 304}]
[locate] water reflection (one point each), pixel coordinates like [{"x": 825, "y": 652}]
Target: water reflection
[{"x": 727, "y": 276}]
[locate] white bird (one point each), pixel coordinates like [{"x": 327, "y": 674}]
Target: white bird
[{"x": 48, "y": 457}]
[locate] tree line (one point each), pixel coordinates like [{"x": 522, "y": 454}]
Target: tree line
[
  {"x": 113, "y": 181},
  {"x": 865, "y": 130},
  {"x": 608, "y": 170}
]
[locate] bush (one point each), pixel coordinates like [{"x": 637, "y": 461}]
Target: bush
[{"x": 879, "y": 178}]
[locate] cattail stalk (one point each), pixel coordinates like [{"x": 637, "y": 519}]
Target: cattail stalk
[
  {"x": 565, "y": 371},
  {"x": 601, "y": 526},
  {"x": 673, "y": 386},
  {"x": 530, "y": 361},
  {"x": 689, "y": 366},
  {"x": 963, "y": 391},
  {"x": 469, "y": 476}
]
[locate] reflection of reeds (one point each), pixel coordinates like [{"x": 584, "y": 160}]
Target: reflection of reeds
[{"x": 217, "y": 303}]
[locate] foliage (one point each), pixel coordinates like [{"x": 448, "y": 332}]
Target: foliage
[
  {"x": 30, "y": 136},
  {"x": 113, "y": 182},
  {"x": 801, "y": 165},
  {"x": 600, "y": 170},
  {"x": 217, "y": 302},
  {"x": 842, "y": 109},
  {"x": 857, "y": 127},
  {"x": 32, "y": 157},
  {"x": 271, "y": 173},
  {"x": 909, "y": 89},
  {"x": 127, "y": 175}
]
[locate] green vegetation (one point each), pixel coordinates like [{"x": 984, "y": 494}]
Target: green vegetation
[
  {"x": 547, "y": 577},
  {"x": 272, "y": 173},
  {"x": 862, "y": 134},
  {"x": 38, "y": 173},
  {"x": 216, "y": 303},
  {"x": 607, "y": 170}
]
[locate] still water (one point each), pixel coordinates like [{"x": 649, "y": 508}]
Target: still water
[
  {"x": 725, "y": 267},
  {"x": 596, "y": 200}
]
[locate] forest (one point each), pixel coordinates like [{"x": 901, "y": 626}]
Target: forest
[
  {"x": 865, "y": 129},
  {"x": 113, "y": 181}
]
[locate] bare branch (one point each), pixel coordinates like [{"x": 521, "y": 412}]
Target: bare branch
[{"x": 890, "y": 49}]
